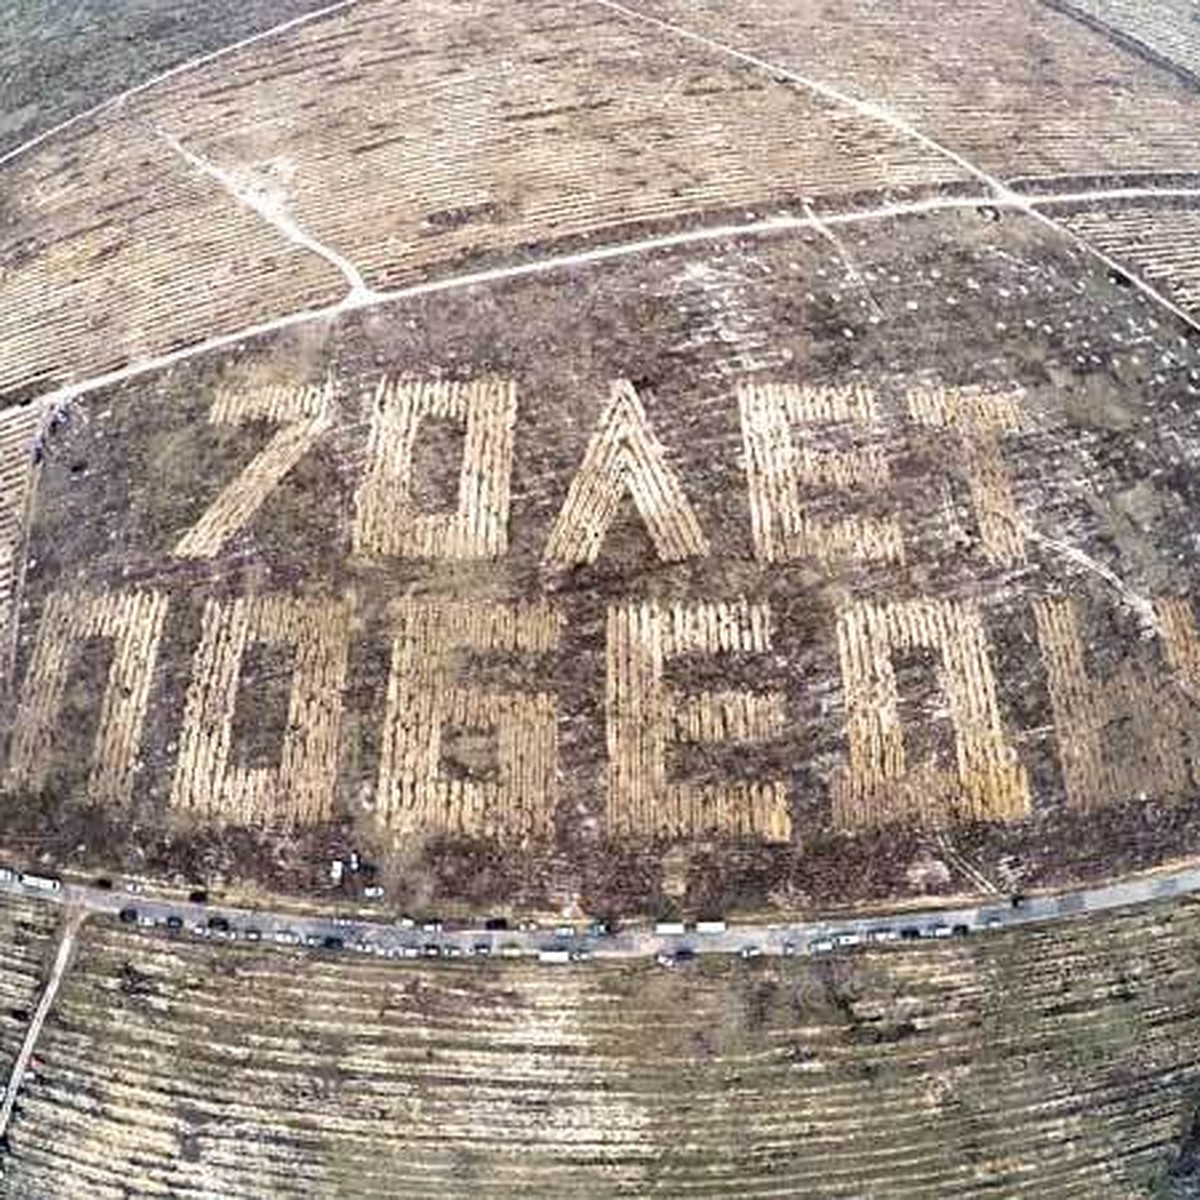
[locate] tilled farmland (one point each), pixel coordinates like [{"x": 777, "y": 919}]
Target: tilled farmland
[{"x": 1051, "y": 1063}]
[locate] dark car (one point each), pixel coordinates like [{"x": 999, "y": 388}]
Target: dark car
[
  {"x": 129, "y": 915},
  {"x": 496, "y": 923},
  {"x": 197, "y": 896},
  {"x": 174, "y": 922},
  {"x": 332, "y": 942},
  {"x": 104, "y": 884},
  {"x": 218, "y": 924}
]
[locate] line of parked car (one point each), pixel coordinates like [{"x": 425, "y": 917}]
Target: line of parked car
[
  {"x": 827, "y": 944},
  {"x": 908, "y": 933},
  {"x": 219, "y": 927}
]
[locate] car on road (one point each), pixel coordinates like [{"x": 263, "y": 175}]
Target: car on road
[
  {"x": 175, "y": 922},
  {"x": 128, "y": 915},
  {"x": 821, "y": 945},
  {"x": 285, "y": 937},
  {"x": 751, "y": 951},
  {"x": 846, "y": 940},
  {"x": 40, "y": 883}
]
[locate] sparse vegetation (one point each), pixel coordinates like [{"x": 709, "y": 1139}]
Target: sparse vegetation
[{"x": 1049, "y": 1063}]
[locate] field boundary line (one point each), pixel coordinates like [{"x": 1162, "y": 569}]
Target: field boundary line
[
  {"x": 74, "y": 919},
  {"x": 1100, "y": 195},
  {"x": 768, "y": 227},
  {"x": 191, "y": 64},
  {"x": 545, "y": 266}
]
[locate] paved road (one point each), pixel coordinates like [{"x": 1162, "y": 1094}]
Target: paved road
[{"x": 406, "y": 940}]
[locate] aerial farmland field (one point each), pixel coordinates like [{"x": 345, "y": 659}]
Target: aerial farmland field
[
  {"x": 508, "y": 482},
  {"x": 436, "y": 589},
  {"x": 1052, "y": 1064}
]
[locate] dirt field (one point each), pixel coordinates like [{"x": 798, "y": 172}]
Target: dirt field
[
  {"x": 521, "y": 127},
  {"x": 1052, "y": 1064},
  {"x": 628, "y": 459},
  {"x": 817, "y": 627}
]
